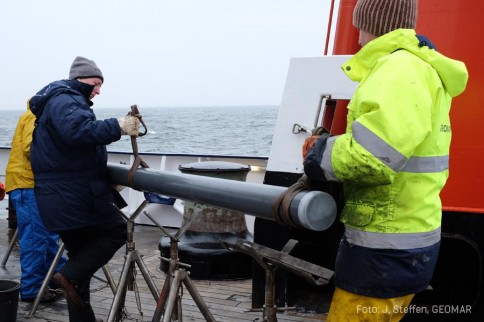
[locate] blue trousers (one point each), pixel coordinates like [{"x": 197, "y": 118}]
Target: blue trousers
[{"x": 38, "y": 247}]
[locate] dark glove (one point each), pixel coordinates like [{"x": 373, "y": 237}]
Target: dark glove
[
  {"x": 312, "y": 162},
  {"x": 309, "y": 142},
  {"x": 118, "y": 199}
]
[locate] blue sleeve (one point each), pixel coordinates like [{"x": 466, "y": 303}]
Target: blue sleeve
[{"x": 76, "y": 123}]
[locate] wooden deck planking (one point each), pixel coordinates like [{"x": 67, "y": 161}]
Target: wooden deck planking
[{"x": 227, "y": 300}]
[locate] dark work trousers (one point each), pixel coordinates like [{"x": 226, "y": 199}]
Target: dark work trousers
[{"x": 88, "y": 250}]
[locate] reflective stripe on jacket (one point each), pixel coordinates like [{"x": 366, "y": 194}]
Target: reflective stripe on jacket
[
  {"x": 393, "y": 158},
  {"x": 19, "y": 173}
]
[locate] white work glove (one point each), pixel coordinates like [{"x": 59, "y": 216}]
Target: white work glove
[
  {"x": 118, "y": 187},
  {"x": 129, "y": 125}
]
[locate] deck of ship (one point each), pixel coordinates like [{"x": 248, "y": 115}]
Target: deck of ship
[{"x": 226, "y": 300}]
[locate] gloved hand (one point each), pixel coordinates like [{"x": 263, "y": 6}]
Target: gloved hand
[
  {"x": 118, "y": 187},
  {"x": 309, "y": 142},
  {"x": 312, "y": 162},
  {"x": 129, "y": 125}
]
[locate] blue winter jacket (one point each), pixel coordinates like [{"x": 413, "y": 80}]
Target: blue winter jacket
[{"x": 68, "y": 156}]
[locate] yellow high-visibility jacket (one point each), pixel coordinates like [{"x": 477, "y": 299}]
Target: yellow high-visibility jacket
[
  {"x": 393, "y": 161},
  {"x": 19, "y": 173},
  {"x": 394, "y": 156}
]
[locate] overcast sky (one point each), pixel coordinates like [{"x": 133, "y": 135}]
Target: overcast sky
[{"x": 158, "y": 53}]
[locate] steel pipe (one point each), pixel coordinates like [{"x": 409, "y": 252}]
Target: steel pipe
[{"x": 313, "y": 210}]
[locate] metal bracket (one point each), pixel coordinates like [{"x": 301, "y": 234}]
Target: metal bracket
[
  {"x": 270, "y": 260},
  {"x": 313, "y": 273}
]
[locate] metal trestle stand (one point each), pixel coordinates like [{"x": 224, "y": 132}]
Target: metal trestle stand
[
  {"x": 169, "y": 304},
  {"x": 270, "y": 260},
  {"x": 169, "y": 301},
  {"x": 127, "y": 280}
]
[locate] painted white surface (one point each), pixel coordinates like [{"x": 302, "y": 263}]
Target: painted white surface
[{"x": 307, "y": 80}]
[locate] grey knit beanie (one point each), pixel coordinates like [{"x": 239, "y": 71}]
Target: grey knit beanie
[
  {"x": 84, "y": 68},
  {"x": 379, "y": 17}
]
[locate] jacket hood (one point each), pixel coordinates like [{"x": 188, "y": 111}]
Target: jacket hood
[
  {"x": 453, "y": 73},
  {"x": 38, "y": 101}
]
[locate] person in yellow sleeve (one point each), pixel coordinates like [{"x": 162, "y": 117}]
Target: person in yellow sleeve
[
  {"x": 2, "y": 191},
  {"x": 38, "y": 246},
  {"x": 393, "y": 162}
]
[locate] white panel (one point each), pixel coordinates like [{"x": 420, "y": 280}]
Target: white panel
[{"x": 307, "y": 80}]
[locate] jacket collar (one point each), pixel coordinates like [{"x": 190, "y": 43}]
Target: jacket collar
[
  {"x": 359, "y": 65},
  {"x": 453, "y": 73}
]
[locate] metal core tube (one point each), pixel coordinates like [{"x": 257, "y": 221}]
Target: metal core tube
[{"x": 314, "y": 210}]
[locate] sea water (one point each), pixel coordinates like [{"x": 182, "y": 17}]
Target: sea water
[{"x": 230, "y": 130}]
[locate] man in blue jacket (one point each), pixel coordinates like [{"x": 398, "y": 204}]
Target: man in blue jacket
[
  {"x": 69, "y": 158},
  {"x": 38, "y": 247}
]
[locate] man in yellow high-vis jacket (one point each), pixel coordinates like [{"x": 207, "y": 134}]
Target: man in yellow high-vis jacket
[{"x": 393, "y": 162}]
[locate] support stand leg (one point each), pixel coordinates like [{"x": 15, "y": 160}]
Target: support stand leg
[
  {"x": 10, "y": 248},
  {"x": 169, "y": 303},
  {"x": 270, "y": 260},
  {"x": 127, "y": 279},
  {"x": 46, "y": 281},
  {"x": 48, "y": 277},
  {"x": 269, "y": 310}
]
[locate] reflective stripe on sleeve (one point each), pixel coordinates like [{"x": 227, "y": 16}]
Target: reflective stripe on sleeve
[
  {"x": 394, "y": 159},
  {"x": 379, "y": 148},
  {"x": 326, "y": 163},
  {"x": 391, "y": 240},
  {"x": 427, "y": 164}
]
